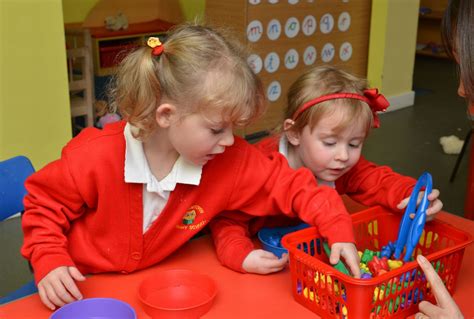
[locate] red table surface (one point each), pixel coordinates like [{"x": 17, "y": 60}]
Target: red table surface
[{"x": 239, "y": 295}]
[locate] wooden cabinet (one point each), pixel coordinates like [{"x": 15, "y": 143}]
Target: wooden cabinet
[
  {"x": 110, "y": 47},
  {"x": 429, "y": 28}
]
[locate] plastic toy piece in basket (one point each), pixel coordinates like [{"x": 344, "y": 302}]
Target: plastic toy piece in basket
[
  {"x": 411, "y": 227},
  {"x": 340, "y": 265}
]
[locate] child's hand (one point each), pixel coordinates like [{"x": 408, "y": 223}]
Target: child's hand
[
  {"x": 58, "y": 287},
  {"x": 434, "y": 207},
  {"x": 446, "y": 307},
  {"x": 263, "y": 262},
  {"x": 351, "y": 257}
]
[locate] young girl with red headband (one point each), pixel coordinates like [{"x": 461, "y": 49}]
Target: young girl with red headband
[
  {"x": 125, "y": 197},
  {"x": 328, "y": 118}
]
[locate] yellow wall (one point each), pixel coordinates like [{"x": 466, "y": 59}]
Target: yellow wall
[
  {"x": 400, "y": 46},
  {"x": 193, "y": 8},
  {"x": 378, "y": 29},
  {"x": 34, "y": 103},
  {"x": 392, "y": 45},
  {"x": 76, "y": 10}
]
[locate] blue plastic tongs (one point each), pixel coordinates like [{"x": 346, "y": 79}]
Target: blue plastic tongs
[{"x": 411, "y": 228}]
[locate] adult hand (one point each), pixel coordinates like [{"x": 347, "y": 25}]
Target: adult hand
[
  {"x": 434, "y": 207},
  {"x": 263, "y": 262},
  {"x": 446, "y": 307},
  {"x": 351, "y": 257},
  {"x": 58, "y": 287}
]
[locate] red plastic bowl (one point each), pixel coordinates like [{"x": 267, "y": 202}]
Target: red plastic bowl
[{"x": 177, "y": 293}]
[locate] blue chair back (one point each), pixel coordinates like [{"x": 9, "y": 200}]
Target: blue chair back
[{"x": 13, "y": 173}]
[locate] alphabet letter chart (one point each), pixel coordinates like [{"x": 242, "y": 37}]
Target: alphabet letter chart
[{"x": 286, "y": 37}]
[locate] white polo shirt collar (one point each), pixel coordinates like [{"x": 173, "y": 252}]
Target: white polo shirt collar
[{"x": 137, "y": 169}]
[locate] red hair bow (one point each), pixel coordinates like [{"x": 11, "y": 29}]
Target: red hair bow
[{"x": 377, "y": 103}]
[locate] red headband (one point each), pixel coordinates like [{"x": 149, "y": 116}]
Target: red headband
[{"x": 376, "y": 101}]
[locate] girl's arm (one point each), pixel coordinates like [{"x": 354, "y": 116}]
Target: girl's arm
[
  {"x": 230, "y": 233},
  {"x": 268, "y": 186},
  {"x": 51, "y": 204},
  {"x": 371, "y": 185}
]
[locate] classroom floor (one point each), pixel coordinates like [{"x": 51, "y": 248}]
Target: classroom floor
[{"x": 408, "y": 141}]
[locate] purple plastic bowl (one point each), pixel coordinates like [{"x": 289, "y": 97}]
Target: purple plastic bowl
[{"x": 95, "y": 308}]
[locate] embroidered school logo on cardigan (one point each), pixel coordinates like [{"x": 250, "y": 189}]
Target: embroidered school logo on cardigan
[{"x": 192, "y": 213}]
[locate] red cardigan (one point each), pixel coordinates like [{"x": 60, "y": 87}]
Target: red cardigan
[
  {"x": 80, "y": 212},
  {"x": 366, "y": 183}
]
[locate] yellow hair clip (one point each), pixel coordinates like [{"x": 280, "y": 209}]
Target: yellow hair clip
[{"x": 156, "y": 45}]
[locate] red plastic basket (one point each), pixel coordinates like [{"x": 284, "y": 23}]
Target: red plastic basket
[{"x": 395, "y": 294}]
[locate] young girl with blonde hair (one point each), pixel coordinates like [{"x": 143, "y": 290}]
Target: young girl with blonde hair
[
  {"x": 125, "y": 197},
  {"x": 328, "y": 117}
]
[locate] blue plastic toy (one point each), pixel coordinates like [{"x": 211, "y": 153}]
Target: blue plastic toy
[
  {"x": 411, "y": 228},
  {"x": 271, "y": 238}
]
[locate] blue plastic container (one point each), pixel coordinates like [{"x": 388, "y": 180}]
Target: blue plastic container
[
  {"x": 93, "y": 308},
  {"x": 271, "y": 238}
]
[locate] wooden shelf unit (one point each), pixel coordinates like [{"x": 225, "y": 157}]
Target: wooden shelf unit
[
  {"x": 429, "y": 28},
  {"x": 80, "y": 76},
  {"x": 427, "y": 52},
  {"x": 435, "y": 15}
]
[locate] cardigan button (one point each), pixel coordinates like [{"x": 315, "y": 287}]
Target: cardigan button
[{"x": 136, "y": 256}]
